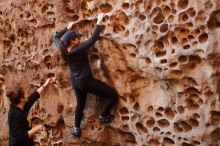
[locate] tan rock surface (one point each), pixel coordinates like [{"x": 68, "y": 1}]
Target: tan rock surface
[{"x": 162, "y": 56}]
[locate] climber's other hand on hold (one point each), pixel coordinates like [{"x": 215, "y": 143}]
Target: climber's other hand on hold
[{"x": 70, "y": 25}]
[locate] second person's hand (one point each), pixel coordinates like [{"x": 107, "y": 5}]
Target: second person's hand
[{"x": 47, "y": 82}]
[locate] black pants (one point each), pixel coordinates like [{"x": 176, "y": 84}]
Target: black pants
[{"x": 89, "y": 84}]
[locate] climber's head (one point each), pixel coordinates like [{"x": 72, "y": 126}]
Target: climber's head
[{"x": 71, "y": 37}]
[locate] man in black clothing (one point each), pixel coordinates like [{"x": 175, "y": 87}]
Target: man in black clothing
[
  {"x": 74, "y": 54},
  {"x": 20, "y": 134}
]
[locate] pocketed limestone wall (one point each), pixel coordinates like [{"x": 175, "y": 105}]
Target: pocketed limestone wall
[{"x": 162, "y": 57}]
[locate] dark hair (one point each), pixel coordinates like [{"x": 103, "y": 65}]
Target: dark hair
[
  {"x": 69, "y": 35},
  {"x": 15, "y": 94},
  {"x": 63, "y": 50}
]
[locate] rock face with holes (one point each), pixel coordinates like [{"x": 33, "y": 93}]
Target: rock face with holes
[{"x": 162, "y": 56}]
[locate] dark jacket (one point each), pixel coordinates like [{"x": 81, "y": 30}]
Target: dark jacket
[
  {"x": 77, "y": 59},
  {"x": 18, "y": 123}
]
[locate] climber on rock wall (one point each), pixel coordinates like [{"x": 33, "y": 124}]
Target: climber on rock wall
[
  {"x": 73, "y": 51},
  {"x": 20, "y": 133}
]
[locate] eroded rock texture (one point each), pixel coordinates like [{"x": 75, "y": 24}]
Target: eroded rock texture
[{"x": 162, "y": 56}]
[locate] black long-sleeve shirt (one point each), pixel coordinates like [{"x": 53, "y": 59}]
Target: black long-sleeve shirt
[
  {"x": 18, "y": 123},
  {"x": 77, "y": 59}
]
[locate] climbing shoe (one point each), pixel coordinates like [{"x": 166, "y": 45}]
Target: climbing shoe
[
  {"x": 106, "y": 119},
  {"x": 76, "y": 132}
]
